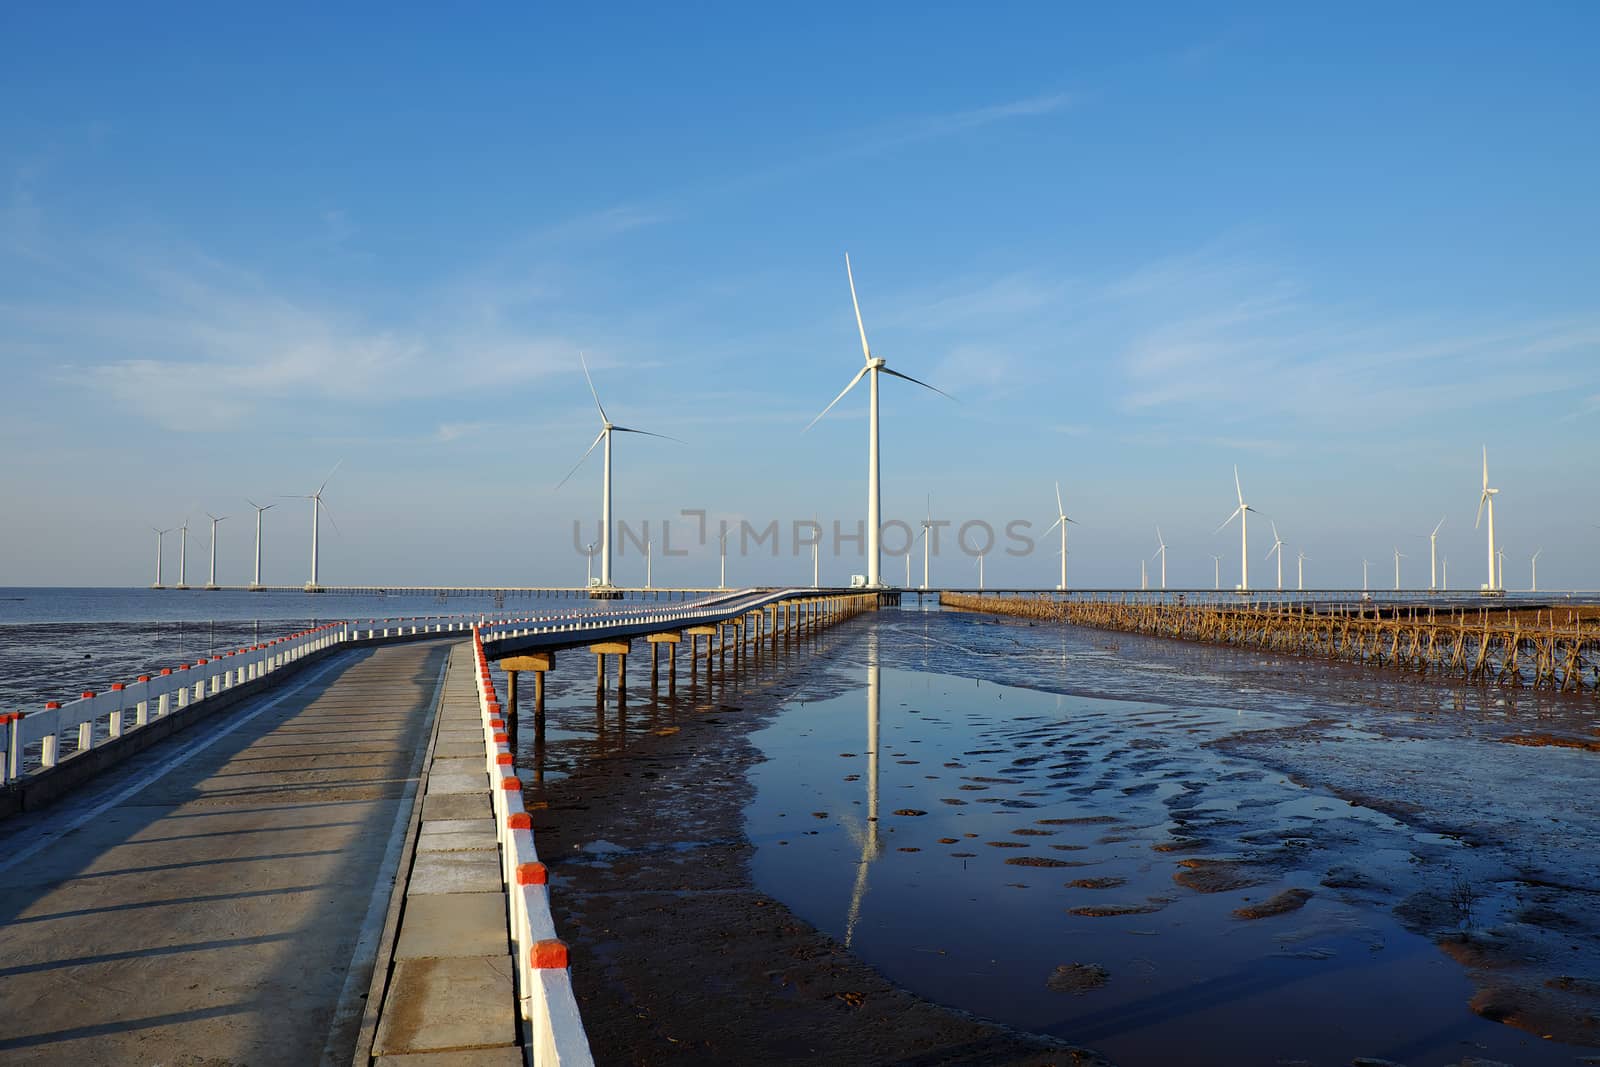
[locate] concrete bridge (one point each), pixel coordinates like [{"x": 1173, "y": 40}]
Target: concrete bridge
[{"x": 314, "y": 850}]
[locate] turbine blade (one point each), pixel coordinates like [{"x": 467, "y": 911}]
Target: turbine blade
[
  {"x": 918, "y": 381},
  {"x": 1230, "y": 518},
  {"x": 1441, "y": 524},
  {"x": 862, "y": 373},
  {"x": 1479, "y": 519},
  {"x": 1486, "y": 466},
  {"x": 866, "y": 352},
  {"x": 1236, "y": 486},
  {"x": 575, "y": 466},
  {"x": 328, "y": 479},
  {"x": 1053, "y": 525},
  {"x": 1060, "y": 508},
  {"x": 1275, "y": 536},
  {"x": 647, "y": 433},
  {"x": 592, "y": 391},
  {"x": 329, "y": 513}
]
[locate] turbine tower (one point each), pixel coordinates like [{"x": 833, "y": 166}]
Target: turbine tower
[
  {"x": 1216, "y": 572},
  {"x": 183, "y": 554},
  {"x": 1433, "y": 557},
  {"x": 1242, "y": 512},
  {"x": 160, "y": 535},
  {"x": 1363, "y": 576},
  {"x": 1534, "y": 586},
  {"x": 874, "y": 367},
  {"x": 312, "y": 585},
  {"x": 1487, "y": 497},
  {"x": 607, "y": 427},
  {"x": 1397, "y": 558},
  {"x": 1062, "y": 521},
  {"x": 927, "y": 522},
  {"x": 1162, "y": 552},
  {"x": 1277, "y": 546},
  {"x": 1300, "y": 583},
  {"x": 211, "y": 583},
  {"x": 255, "y": 583}
]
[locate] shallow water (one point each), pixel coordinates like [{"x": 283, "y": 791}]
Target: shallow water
[{"x": 992, "y": 800}]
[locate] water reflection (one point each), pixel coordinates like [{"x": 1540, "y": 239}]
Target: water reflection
[{"x": 867, "y": 838}]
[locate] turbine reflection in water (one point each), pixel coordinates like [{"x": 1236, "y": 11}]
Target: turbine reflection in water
[{"x": 867, "y": 839}]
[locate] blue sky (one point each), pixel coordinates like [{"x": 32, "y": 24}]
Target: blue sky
[{"x": 1342, "y": 249}]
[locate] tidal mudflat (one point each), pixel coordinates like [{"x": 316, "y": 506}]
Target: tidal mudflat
[{"x": 1161, "y": 852}]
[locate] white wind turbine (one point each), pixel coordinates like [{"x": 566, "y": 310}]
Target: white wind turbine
[
  {"x": 607, "y": 427},
  {"x": 1300, "y": 582},
  {"x": 1162, "y": 552},
  {"x": 722, "y": 541},
  {"x": 1144, "y": 582},
  {"x": 1444, "y": 574},
  {"x": 260, "y": 509},
  {"x": 1488, "y": 498},
  {"x": 1500, "y": 571},
  {"x": 980, "y": 574},
  {"x": 211, "y": 582},
  {"x": 1242, "y": 512},
  {"x": 874, "y": 367},
  {"x": 1433, "y": 557},
  {"x": 183, "y": 554},
  {"x": 1534, "y": 563},
  {"x": 1363, "y": 576},
  {"x": 1398, "y": 556},
  {"x": 647, "y": 563},
  {"x": 1216, "y": 572},
  {"x": 1277, "y": 546},
  {"x": 1062, "y": 521},
  {"x": 927, "y": 521},
  {"x": 316, "y": 524},
  {"x": 160, "y": 536}
]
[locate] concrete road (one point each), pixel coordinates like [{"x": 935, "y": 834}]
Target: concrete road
[{"x": 217, "y": 900}]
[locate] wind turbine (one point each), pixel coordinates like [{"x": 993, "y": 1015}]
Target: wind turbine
[
  {"x": 606, "y": 429},
  {"x": 1277, "y": 546},
  {"x": 211, "y": 583},
  {"x": 1216, "y": 572},
  {"x": 647, "y": 563},
  {"x": 1433, "y": 557},
  {"x": 588, "y": 554},
  {"x": 316, "y": 523},
  {"x": 1144, "y": 582},
  {"x": 1162, "y": 552},
  {"x": 1300, "y": 583},
  {"x": 260, "y": 508},
  {"x": 1534, "y": 587},
  {"x": 927, "y": 521},
  {"x": 1062, "y": 521},
  {"x": 1398, "y": 556},
  {"x": 722, "y": 540},
  {"x": 183, "y": 555},
  {"x": 874, "y": 367},
  {"x": 160, "y": 536},
  {"x": 1488, "y": 498},
  {"x": 1500, "y": 571},
  {"x": 1363, "y": 576},
  {"x": 1445, "y": 574},
  {"x": 980, "y": 574},
  {"x": 1242, "y": 511}
]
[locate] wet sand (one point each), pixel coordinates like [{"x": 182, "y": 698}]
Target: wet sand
[{"x": 1421, "y": 809}]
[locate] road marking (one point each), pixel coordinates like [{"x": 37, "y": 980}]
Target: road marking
[{"x": 49, "y": 835}]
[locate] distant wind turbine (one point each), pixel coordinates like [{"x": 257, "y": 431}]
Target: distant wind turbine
[
  {"x": 1277, "y": 546},
  {"x": 1062, "y": 521},
  {"x": 1242, "y": 512},
  {"x": 922, "y": 536},
  {"x": 722, "y": 540},
  {"x": 1500, "y": 571},
  {"x": 1144, "y": 582},
  {"x": 316, "y": 524},
  {"x": 607, "y": 427},
  {"x": 1216, "y": 572},
  {"x": 260, "y": 509},
  {"x": 1444, "y": 568},
  {"x": 1301, "y": 582},
  {"x": 1363, "y": 576},
  {"x": 1162, "y": 552},
  {"x": 816, "y": 555},
  {"x": 1433, "y": 556},
  {"x": 1534, "y": 587},
  {"x": 1398, "y": 556},
  {"x": 647, "y": 563},
  {"x": 874, "y": 367},
  {"x": 980, "y": 574},
  {"x": 160, "y": 535},
  {"x": 211, "y": 582},
  {"x": 1487, "y": 497},
  {"x": 183, "y": 554}
]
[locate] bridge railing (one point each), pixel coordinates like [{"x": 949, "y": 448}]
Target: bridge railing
[
  {"x": 38, "y": 741},
  {"x": 545, "y": 1000}
]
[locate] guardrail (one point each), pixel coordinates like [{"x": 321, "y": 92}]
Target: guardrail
[
  {"x": 553, "y": 1030},
  {"x": 38, "y": 741}
]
